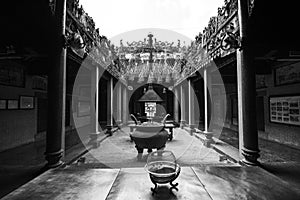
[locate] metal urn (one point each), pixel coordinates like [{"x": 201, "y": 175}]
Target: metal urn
[{"x": 162, "y": 168}]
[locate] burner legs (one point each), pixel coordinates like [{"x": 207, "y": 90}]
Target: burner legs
[
  {"x": 173, "y": 186},
  {"x": 154, "y": 189}
]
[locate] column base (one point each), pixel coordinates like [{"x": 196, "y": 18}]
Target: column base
[
  {"x": 250, "y": 157},
  {"x": 176, "y": 120},
  {"x": 130, "y": 122},
  {"x": 208, "y": 138},
  {"x": 192, "y": 128},
  {"x": 94, "y": 140},
  {"x": 109, "y": 130},
  {"x": 54, "y": 159},
  {"x": 119, "y": 124},
  {"x": 182, "y": 123},
  {"x": 189, "y": 129}
]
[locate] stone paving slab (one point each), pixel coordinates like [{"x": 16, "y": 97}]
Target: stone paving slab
[
  {"x": 202, "y": 182},
  {"x": 233, "y": 182},
  {"x": 135, "y": 184},
  {"x": 119, "y": 152},
  {"x": 67, "y": 183}
]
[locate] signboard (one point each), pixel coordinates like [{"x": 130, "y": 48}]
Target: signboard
[
  {"x": 39, "y": 82},
  {"x": 288, "y": 74},
  {"x": 26, "y": 102},
  {"x": 260, "y": 81},
  {"x": 285, "y": 109},
  {"x": 11, "y": 74},
  {"x": 12, "y": 104},
  {"x": 150, "y": 109},
  {"x": 2, "y": 104}
]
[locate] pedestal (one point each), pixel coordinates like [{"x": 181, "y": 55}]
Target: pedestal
[
  {"x": 94, "y": 139},
  {"x": 208, "y": 138}
]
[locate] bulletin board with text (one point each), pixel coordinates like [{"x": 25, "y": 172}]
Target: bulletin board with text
[{"x": 285, "y": 109}]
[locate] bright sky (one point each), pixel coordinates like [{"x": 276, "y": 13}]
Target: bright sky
[{"x": 187, "y": 17}]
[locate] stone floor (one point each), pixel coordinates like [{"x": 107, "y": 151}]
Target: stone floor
[
  {"x": 278, "y": 159},
  {"x": 22, "y": 164},
  {"x": 194, "y": 183},
  {"x": 269, "y": 151},
  {"x": 118, "y": 151}
]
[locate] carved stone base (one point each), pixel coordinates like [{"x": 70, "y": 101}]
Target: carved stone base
[
  {"x": 192, "y": 128},
  {"x": 250, "y": 157},
  {"x": 109, "y": 130},
  {"x": 94, "y": 140},
  {"x": 208, "y": 138},
  {"x": 182, "y": 123},
  {"x": 119, "y": 123},
  {"x": 54, "y": 159}
]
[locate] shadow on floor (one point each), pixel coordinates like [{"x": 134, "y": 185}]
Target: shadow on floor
[
  {"x": 22, "y": 164},
  {"x": 281, "y": 160}
]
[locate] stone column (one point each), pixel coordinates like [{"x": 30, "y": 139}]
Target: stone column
[
  {"x": 191, "y": 106},
  {"x": 94, "y": 106},
  {"x": 207, "y": 87},
  {"x": 125, "y": 106},
  {"x": 182, "y": 105},
  {"x": 119, "y": 104},
  {"x": 110, "y": 100},
  {"x": 248, "y": 136},
  {"x": 55, "y": 136},
  {"x": 176, "y": 98}
]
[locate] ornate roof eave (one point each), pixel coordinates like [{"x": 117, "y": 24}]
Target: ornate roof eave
[
  {"x": 221, "y": 27},
  {"x": 206, "y": 62},
  {"x": 92, "y": 39},
  {"x": 212, "y": 43},
  {"x": 111, "y": 69}
]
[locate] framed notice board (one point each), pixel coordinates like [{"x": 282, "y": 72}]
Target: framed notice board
[
  {"x": 289, "y": 74},
  {"x": 285, "y": 109},
  {"x": 12, "y": 74}
]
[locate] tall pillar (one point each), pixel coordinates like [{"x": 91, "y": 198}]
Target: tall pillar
[
  {"x": 182, "y": 106},
  {"x": 176, "y": 98},
  {"x": 191, "y": 106},
  {"x": 94, "y": 125},
  {"x": 248, "y": 136},
  {"x": 207, "y": 87},
  {"x": 55, "y": 136},
  {"x": 165, "y": 98},
  {"x": 110, "y": 100},
  {"x": 119, "y": 104},
  {"x": 125, "y": 106}
]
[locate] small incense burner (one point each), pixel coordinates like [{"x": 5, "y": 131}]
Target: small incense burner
[{"x": 162, "y": 168}]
